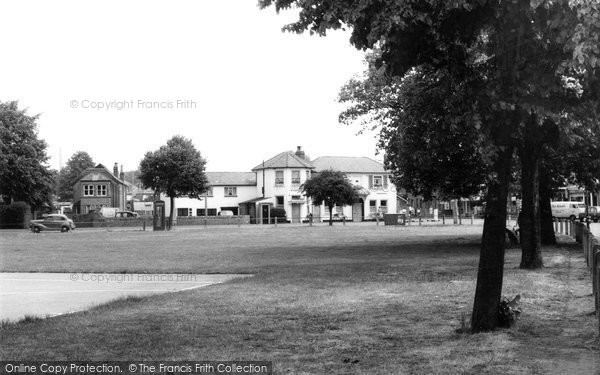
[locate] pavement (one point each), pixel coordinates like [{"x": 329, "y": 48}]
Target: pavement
[
  {"x": 51, "y": 294},
  {"x": 595, "y": 229}
]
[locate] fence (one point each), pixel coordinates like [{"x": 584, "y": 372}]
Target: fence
[{"x": 581, "y": 233}]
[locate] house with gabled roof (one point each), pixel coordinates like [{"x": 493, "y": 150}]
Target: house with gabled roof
[
  {"x": 97, "y": 187},
  {"x": 377, "y": 194},
  {"x": 278, "y": 180}
]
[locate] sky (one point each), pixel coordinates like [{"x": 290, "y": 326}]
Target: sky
[{"x": 119, "y": 78}]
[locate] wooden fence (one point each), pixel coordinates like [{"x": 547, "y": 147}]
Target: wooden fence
[{"x": 581, "y": 233}]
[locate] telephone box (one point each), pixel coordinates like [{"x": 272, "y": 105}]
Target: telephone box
[{"x": 159, "y": 222}]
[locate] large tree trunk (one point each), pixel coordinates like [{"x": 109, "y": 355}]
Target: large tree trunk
[
  {"x": 547, "y": 224},
  {"x": 529, "y": 218},
  {"x": 491, "y": 260},
  {"x": 172, "y": 199}
]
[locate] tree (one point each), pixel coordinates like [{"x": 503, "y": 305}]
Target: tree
[
  {"x": 23, "y": 173},
  {"x": 175, "y": 169},
  {"x": 521, "y": 64},
  {"x": 330, "y": 187},
  {"x": 68, "y": 175},
  {"x": 430, "y": 149}
]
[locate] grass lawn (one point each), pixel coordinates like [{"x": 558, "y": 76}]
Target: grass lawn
[{"x": 355, "y": 299}]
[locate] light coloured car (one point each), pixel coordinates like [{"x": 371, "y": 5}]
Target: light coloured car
[
  {"x": 127, "y": 214},
  {"x": 226, "y": 213},
  {"x": 56, "y": 222}
]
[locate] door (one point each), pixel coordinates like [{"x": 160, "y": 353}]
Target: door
[
  {"x": 357, "y": 211},
  {"x": 264, "y": 209},
  {"x": 296, "y": 213}
]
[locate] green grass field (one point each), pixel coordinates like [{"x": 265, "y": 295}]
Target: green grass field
[{"x": 355, "y": 299}]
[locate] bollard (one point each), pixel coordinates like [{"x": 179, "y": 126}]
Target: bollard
[
  {"x": 472, "y": 217},
  {"x": 560, "y": 224},
  {"x": 276, "y": 219},
  {"x": 239, "y": 221},
  {"x": 419, "y": 220},
  {"x": 377, "y": 219},
  {"x": 310, "y": 219},
  {"x": 459, "y": 219},
  {"x": 144, "y": 225},
  {"x": 344, "y": 220},
  {"x": 443, "y": 219}
]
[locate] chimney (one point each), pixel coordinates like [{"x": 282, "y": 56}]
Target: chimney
[
  {"x": 122, "y": 174},
  {"x": 116, "y": 170},
  {"x": 300, "y": 153}
]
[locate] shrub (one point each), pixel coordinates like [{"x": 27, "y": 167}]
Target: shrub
[
  {"x": 277, "y": 212},
  {"x": 12, "y": 216}
]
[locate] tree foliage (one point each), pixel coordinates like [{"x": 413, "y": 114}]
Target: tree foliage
[
  {"x": 24, "y": 175},
  {"x": 71, "y": 172},
  {"x": 519, "y": 64},
  {"x": 330, "y": 187},
  {"x": 176, "y": 170},
  {"x": 430, "y": 147}
]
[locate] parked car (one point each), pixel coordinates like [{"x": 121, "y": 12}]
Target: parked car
[
  {"x": 52, "y": 222},
  {"x": 226, "y": 213},
  {"x": 127, "y": 214},
  {"x": 594, "y": 213}
]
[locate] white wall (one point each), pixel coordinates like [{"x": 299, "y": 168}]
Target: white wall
[{"x": 217, "y": 201}]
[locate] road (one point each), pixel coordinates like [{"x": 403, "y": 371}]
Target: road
[{"x": 50, "y": 294}]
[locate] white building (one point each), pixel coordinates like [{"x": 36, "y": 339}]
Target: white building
[
  {"x": 275, "y": 183},
  {"x": 377, "y": 193}
]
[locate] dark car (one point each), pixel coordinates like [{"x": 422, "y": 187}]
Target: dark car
[
  {"x": 52, "y": 222},
  {"x": 594, "y": 213}
]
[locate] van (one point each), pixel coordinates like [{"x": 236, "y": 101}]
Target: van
[{"x": 568, "y": 210}]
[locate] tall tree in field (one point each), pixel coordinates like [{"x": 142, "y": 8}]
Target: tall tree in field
[
  {"x": 521, "y": 64},
  {"x": 24, "y": 175},
  {"x": 70, "y": 173},
  {"x": 330, "y": 187},
  {"x": 176, "y": 170}
]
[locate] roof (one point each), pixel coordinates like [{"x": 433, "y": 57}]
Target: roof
[
  {"x": 255, "y": 200},
  {"x": 99, "y": 168},
  {"x": 231, "y": 178},
  {"x": 348, "y": 164},
  {"x": 286, "y": 159}
]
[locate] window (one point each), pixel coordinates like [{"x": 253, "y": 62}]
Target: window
[
  {"x": 383, "y": 206},
  {"x": 279, "y": 178},
  {"x": 211, "y": 212},
  {"x": 101, "y": 190},
  {"x": 230, "y": 191},
  {"x": 377, "y": 182},
  {"x": 339, "y": 210},
  {"x": 209, "y": 191},
  {"x": 88, "y": 190},
  {"x": 297, "y": 197},
  {"x": 279, "y": 200},
  {"x": 373, "y": 207},
  {"x": 184, "y": 212},
  {"x": 296, "y": 177},
  {"x": 307, "y": 175}
]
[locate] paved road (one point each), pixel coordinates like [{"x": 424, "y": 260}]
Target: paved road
[{"x": 50, "y": 294}]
